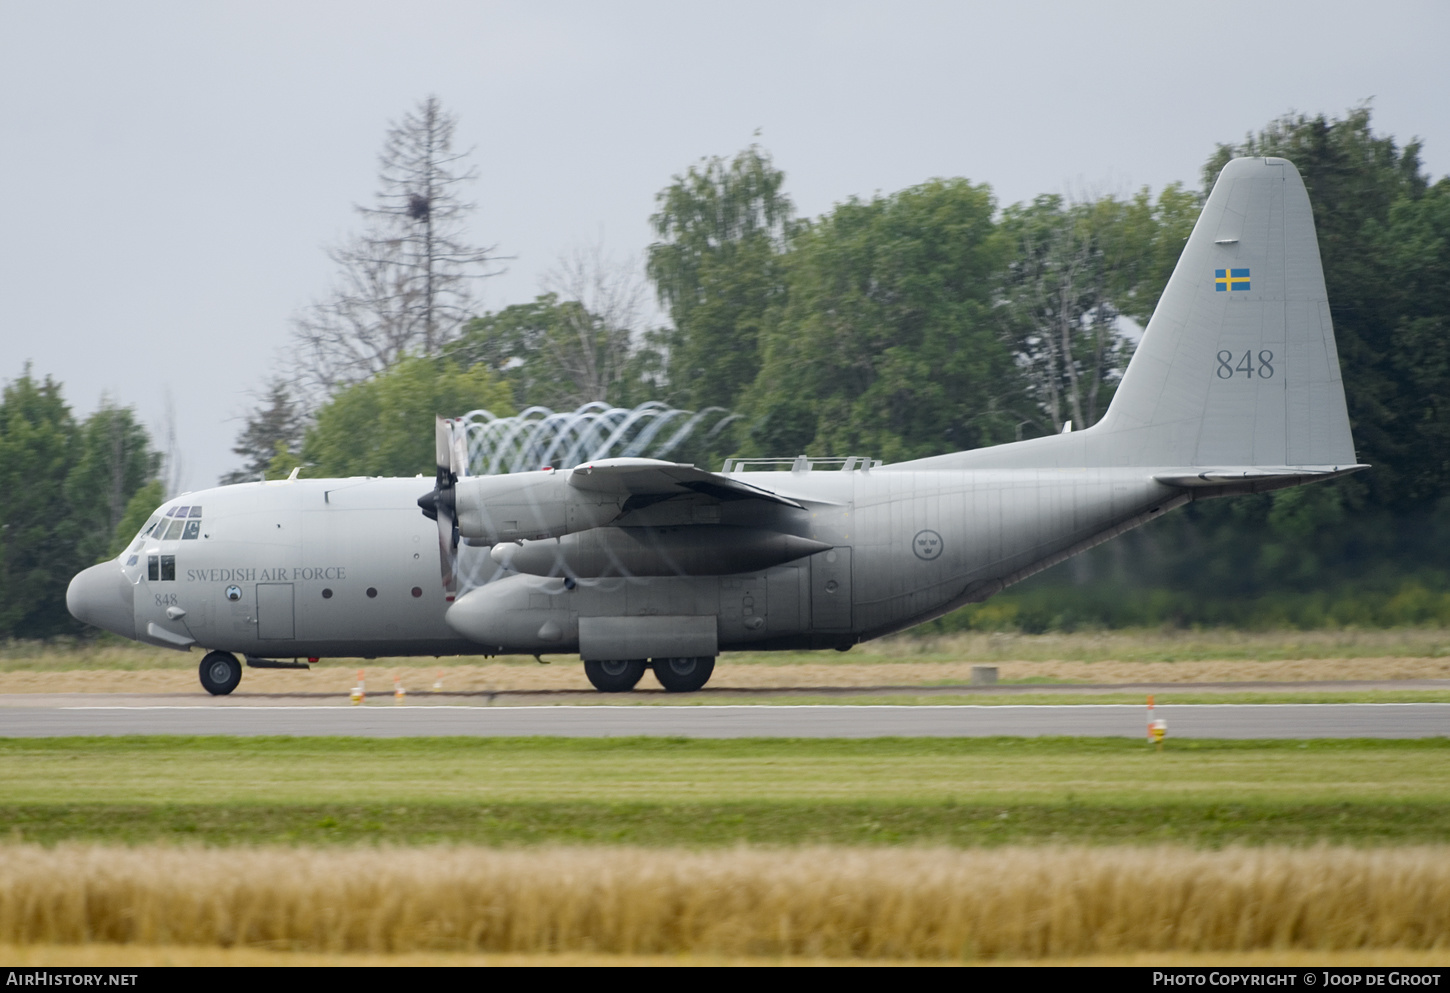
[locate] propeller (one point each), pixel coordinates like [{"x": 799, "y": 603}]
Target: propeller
[{"x": 440, "y": 504}]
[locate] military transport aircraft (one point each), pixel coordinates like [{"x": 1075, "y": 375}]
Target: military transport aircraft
[{"x": 638, "y": 563}]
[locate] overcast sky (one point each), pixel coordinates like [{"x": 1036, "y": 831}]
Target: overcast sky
[{"x": 173, "y": 172}]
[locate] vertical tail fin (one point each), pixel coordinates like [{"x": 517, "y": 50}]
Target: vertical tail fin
[{"x": 1238, "y": 365}]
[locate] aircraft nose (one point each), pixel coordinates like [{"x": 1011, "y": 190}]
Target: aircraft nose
[{"x": 104, "y": 597}]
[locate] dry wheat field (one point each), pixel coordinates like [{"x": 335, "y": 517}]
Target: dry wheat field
[{"x": 826, "y": 903}]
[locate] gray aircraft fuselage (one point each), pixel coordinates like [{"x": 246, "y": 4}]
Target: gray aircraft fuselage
[{"x": 349, "y": 567}]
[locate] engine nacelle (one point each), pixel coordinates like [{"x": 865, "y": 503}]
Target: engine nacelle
[
  {"x": 530, "y": 506},
  {"x": 686, "y": 550}
]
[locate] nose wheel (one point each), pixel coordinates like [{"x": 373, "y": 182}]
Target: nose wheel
[{"x": 220, "y": 673}]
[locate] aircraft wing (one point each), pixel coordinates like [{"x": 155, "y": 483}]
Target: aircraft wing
[{"x": 653, "y": 478}]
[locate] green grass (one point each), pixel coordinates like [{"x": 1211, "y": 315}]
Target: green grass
[
  {"x": 700, "y": 825},
  {"x": 706, "y": 792}
]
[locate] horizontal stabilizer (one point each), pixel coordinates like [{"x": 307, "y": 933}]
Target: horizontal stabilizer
[{"x": 1256, "y": 478}]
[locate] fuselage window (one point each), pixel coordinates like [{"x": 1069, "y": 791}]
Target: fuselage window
[
  {"x": 168, "y": 567},
  {"x": 153, "y": 571},
  {"x": 131, "y": 560},
  {"x": 193, "y": 529}
]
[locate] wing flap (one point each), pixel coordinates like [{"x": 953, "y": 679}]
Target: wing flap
[{"x": 654, "y": 478}]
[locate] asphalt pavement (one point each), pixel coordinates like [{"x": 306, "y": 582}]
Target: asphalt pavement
[{"x": 385, "y": 720}]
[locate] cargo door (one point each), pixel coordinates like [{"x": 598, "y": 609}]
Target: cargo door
[
  {"x": 275, "y": 616},
  {"x": 831, "y": 590}
]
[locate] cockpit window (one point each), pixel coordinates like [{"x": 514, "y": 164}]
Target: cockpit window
[
  {"x": 161, "y": 568},
  {"x": 150, "y": 526},
  {"x": 184, "y": 525}
]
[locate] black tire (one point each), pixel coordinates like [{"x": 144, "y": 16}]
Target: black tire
[
  {"x": 220, "y": 673},
  {"x": 615, "y": 675},
  {"x": 684, "y": 675}
]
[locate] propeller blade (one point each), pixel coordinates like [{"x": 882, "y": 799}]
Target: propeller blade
[
  {"x": 443, "y": 450},
  {"x": 443, "y": 504},
  {"x": 458, "y": 452},
  {"x": 447, "y": 552}
]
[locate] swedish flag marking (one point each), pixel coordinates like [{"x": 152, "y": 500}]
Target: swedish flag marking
[{"x": 1230, "y": 279}]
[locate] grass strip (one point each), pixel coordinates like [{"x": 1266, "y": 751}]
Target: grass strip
[
  {"x": 710, "y": 825},
  {"x": 662, "y": 791}
]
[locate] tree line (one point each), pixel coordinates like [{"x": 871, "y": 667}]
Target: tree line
[{"x": 924, "y": 321}]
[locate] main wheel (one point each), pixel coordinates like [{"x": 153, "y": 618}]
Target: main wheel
[
  {"x": 614, "y": 675},
  {"x": 220, "y": 673},
  {"x": 684, "y": 675}
]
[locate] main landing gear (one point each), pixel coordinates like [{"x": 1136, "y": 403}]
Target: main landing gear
[
  {"x": 614, "y": 675},
  {"x": 684, "y": 675},
  {"x": 678, "y": 675},
  {"x": 220, "y": 673}
]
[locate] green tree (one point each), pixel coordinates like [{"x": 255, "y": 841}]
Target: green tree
[
  {"x": 113, "y": 459},
  {"x": 138, "y": 511},
  {"x": 384, "y": 426},
  {"x": 887, "y": 344},
  {"x": 718, "y": 269},
  {"x": 38, "y": 534},
  {"x": 1074, "y": 271},
  {"x": 550, "y": 353},
  {"x": 278, "y": 420},
  {"x": 65, "y": 493},
  {"x": 1414, "y": 247}
]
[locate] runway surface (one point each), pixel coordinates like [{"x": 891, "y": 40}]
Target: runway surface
[{"x": 1331, "y": 720}]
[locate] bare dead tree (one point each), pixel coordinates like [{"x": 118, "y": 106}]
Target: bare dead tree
[
  {"x": 595, "y": 345},
  {"x": 405, "y": 285},
  {"x": 173, "y": 469}
]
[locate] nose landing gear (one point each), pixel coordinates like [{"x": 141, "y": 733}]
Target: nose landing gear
[{"x": 220, "y": 673}]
